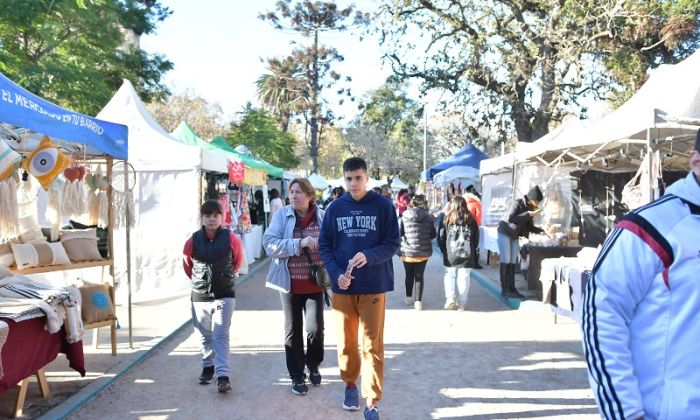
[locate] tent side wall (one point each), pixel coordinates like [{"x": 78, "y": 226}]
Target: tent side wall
[{"x": 165, "y": 218}]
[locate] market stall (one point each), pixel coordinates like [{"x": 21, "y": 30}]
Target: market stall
[
  {"x": 164, "y": 200},
  {"x": 58, "y": 151}
]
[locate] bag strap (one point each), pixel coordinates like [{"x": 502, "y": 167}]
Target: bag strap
[{"x": 308, "y": 256}]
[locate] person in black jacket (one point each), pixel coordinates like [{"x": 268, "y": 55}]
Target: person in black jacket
[
  {"x": 417, "y": 229},
  {"x": 212, "y": 257},
  {"x": 518, "y": 222},
  {"x": 458, "y": 238}
]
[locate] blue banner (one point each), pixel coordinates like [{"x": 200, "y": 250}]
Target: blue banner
[{"x": 22, "y": 108}]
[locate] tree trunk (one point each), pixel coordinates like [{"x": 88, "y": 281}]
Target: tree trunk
[
  {"x": 313, "y": 146},
  {"x": 521, "y": 121}
]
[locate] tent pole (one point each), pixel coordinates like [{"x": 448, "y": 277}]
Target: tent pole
[{"x": 128, "y": 248}]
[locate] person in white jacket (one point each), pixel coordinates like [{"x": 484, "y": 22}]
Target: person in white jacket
[{"x": 641, "y": 309}]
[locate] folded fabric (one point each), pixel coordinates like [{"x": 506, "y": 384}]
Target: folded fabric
[
  {"x": 39, "y": 253},
  {"x": 57, "y": 303},
  {"x": 81, "y": 244}
]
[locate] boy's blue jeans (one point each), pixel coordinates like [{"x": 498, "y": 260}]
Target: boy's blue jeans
[{"x": 212, "y": 321}]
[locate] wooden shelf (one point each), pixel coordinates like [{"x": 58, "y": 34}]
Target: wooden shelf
[{"x": 73, "y": 266}]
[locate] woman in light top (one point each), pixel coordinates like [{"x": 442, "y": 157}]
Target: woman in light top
[{"x": 292, "y": 242}]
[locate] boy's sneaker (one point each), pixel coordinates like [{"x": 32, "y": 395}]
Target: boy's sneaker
[
  {"x": 372, "y": 413},
  {"x": 223, "y": 384},
  {"x": 450, "y": 306},
  {"x": 315, "y": 377},
  {"x": 207, "y": 375},
  {"x": 352, "y": 399},
  {"x": 299, "y": 387},
  {"x": 408, "y": 300},
  {"x": 419, "y": 305}
]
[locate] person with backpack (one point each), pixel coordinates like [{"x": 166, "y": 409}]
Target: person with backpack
[{"x": 458, "y": 237}]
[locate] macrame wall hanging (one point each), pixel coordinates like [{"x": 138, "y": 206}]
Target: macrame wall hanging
[{"x": 9, "y": 215}]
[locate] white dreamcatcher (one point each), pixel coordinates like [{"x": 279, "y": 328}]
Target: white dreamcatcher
[{"x": 123, "y": 183}]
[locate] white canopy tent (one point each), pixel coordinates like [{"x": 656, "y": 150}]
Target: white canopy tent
[
  {"x": 166, "y": 201},
  {"x": 397, "y": 184},
  {"x": 318, "y": 181},
  {"x": 465, "y": 175},
  {"x": 500, "y": 182},
  {"x": 374, "y": 182},
  {"x": 663, "y": 115}
]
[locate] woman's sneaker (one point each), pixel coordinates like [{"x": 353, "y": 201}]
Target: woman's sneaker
[
  {"x": 408, "y": 300},
  {"x": 450, "y": 306},
  {"x": 419, "y": 305},
  {"x": 299, "y": 387}
]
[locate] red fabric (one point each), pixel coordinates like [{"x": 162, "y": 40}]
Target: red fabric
[
  {"x": 474, "y": 206},
  {"x": 653, "y": 244},
  {"x": 402, "y": 203},
  {"x": 236, "y": 172},
  {"x": 299, "y": 267},
  {"x": 29, "y": 348},
  {"x": 236, "y": 250}
]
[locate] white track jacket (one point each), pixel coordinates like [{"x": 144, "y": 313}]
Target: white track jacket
[{"x": 641, "y": 311}]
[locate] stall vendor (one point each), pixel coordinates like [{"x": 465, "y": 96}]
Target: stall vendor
[{"x": 516, "y": 223}]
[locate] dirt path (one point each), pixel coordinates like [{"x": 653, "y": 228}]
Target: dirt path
[{"x": 486, "y": 363}]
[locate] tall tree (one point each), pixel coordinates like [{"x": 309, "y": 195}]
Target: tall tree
[
  {"x": 282, "y": 91},
  {"x": 206, "y": 119},
  {"x": 259, "y": 131},
  {"x": 73, "y": 52},
  {"x": 520, "y": 64},
  {"x": 310, "y": 19}
]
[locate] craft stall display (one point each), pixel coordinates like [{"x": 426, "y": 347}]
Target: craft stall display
[
  {"x": 564, "y": 280},
  {"x": 48, "y": 150}
]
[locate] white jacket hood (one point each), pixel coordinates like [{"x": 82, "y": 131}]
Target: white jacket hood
[{"x": 687, "y": 189}]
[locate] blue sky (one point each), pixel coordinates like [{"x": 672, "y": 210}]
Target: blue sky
[{"x": 219, "y": 49}]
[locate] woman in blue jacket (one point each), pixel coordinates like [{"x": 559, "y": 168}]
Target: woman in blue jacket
[{"x": 292, "y": 242}]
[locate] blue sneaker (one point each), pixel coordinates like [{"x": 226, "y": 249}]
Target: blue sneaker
[
  {"x": 352, "y": 399},
  {"x": 372, "y": 413}
]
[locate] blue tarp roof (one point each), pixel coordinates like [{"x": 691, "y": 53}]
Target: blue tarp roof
[
  {"x": 22, "y": 108},
  {"x": 469, "y": 155}
]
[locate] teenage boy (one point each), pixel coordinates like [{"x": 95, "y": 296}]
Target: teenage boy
[
  {"x": 211, "y": 259},
  {"x": 359, "y": 237}
]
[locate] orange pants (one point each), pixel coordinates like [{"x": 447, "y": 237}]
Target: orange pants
[{"x": 349, "y": 312}]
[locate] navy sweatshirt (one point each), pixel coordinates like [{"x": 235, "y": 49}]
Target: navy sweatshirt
[{"x": 369, "y": 226}]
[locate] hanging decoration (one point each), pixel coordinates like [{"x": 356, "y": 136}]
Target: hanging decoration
[
  {"x": 255, "y": 177},
  {"x": 53, "y": 208},
  {"x": 73, "y": 198},
  {"x": 9, "y": 210},
  {"x": 46, "y": 162},
  {"x": 236, "y": 172},
  {"x": 244, "y": 223},
  {"x": 9, "y": 161}
]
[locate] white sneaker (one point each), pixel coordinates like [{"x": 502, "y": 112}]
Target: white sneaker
[
  {"x": 419, "y": 305},
  {"x": 450, "y": 305},
  {"x": 408, "y": 300},
  {"x": 462, "y": 307}
]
